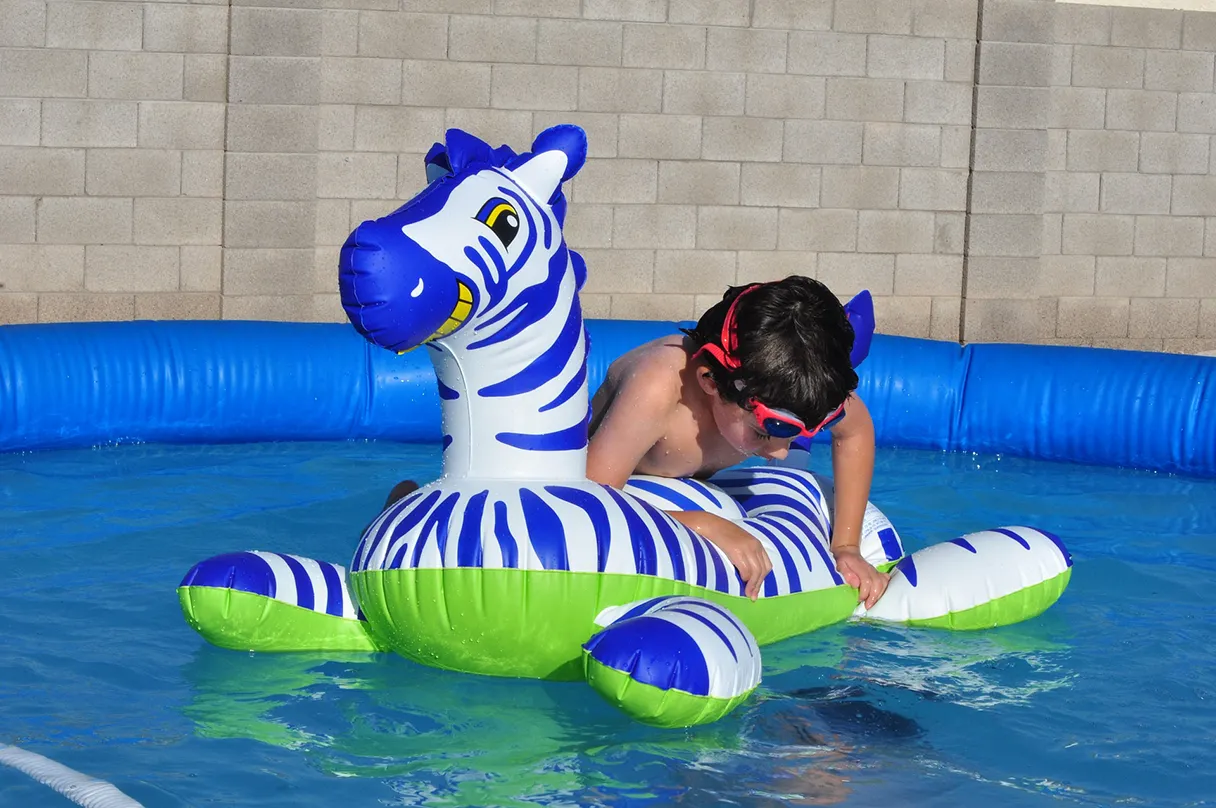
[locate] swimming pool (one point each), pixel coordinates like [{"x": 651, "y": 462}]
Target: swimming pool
[{"x": 1106, "y": 698}]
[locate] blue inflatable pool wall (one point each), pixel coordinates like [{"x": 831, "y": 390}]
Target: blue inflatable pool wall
[{"x": 83, "y": 384}]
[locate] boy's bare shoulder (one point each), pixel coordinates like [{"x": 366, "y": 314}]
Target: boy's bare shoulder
[{"x": 652, "y": 370}]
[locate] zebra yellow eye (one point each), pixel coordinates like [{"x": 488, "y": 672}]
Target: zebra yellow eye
[{"x": 500, "y": 216}]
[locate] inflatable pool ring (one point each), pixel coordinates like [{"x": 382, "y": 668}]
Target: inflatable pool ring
[{"x": 512, "y": 563}]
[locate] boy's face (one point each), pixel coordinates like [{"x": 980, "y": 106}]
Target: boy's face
[{"x": 738, "y": 426}]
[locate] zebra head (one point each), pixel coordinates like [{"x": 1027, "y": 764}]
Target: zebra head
[{"x": 476, "y": 268}]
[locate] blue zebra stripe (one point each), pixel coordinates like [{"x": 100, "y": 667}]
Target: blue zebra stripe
[{"x": 318, "y": 586}]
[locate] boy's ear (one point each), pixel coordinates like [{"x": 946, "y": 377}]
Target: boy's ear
[{"x": 706, "y": 380}]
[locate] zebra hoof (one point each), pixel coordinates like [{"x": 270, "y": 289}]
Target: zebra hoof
[
  {"x": 256, "y": 601},
  {"x": 672, "y": 661}
]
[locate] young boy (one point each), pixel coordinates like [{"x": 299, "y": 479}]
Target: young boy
[{"x": 768, "y": 363}]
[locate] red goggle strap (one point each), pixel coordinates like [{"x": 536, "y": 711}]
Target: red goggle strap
[{"x": 729, "y": 338}]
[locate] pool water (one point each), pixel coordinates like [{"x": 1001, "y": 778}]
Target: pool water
[{"x": 1106, "y": 699}]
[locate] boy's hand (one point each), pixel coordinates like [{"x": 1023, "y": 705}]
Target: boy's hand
[
  {"x": 859, "y": 573},
  {"x": 749, "y": 557}
]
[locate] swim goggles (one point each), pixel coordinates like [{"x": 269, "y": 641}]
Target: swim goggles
[{"x": 775, "y": 422}]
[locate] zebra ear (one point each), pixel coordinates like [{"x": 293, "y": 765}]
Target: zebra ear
[{"x": 557, "y": 154}]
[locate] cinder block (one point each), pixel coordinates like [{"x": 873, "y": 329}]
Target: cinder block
[
  {"x": 937, "y": 102},
  {"x": 268, "y": 272},
  {"x": 578, "y": 42},
  {"x": 1077, "y": 108},
  {"x": 1130, "y": 277},
  {"x": 699, "y": 183},
  {"x": 136, "y": 76},
  {"x": 894, "y": 231},
  {"x": 823, "y": 142},
  {"x": 1190, "y": 345},
  {"x": 396, "y": 129},
  {"x": 601, "y": 128},
  {"x": 358, "y": 80},
  {"x": 1190, "y": 277},
  {"x": 89, "y": 123},
  {"x": 94, "y": 26},
  {"x": 177, "y": 306},
  {"x": 819, "y": 230},
  {"x": 494, "y": 39},
  {"x": 272, "y": 128},
  {"x": 133, "y": 172},
  {"x": 767, "y": 265},
  {"x": 588, "y": 226},
  {"x": 272, "y": 176},
  {"x": 339, "y": 33},
  {"x": 749, "y": 50},
  {"x": 1082, "y": 24},
  {"x": 698, "y": 271},
  {"x": 755, "y": 139},
  {"x": 1146, "y": 27},
  {"x": 42, "y": 267},
  {"x": 493, "y": 125},
  {"x": 723, "y": 12},
  {"x": 945, "y": 316},
  {"x": 292, "y": 80},
  {"x": 785, "y": 96},
  {"x": 1057, "y": 150},
  {"x": 1198, "y": 30},
  {"x": 898, "y": 144},
  {"x": 860, "y": 187},
  {"x": 1071, "y": 192},
  {"x": 920, "y": 275},
  {"x": 43, "y": 73},
  {"x": 1002, "y": 278},
  {"x": 846, "y": 274},
  {"x": 25, "y": 26},
  {"x": 178, "y": 221},
  {"x": 20, "y": 121},
  {"x": 1207, "y": 318},
  {"x": 283, "y": 308},
  {"x": 182, "y": 29},
  {"x": 445, "y": 84},
  {"x": 16, "y": 219},
  {"x": 1061, "y": 66},
  {"x": 904, "y": 316},
  {"x": 1103, "y": 151},
  {"x": 901, "y": 57},
  {"x": 704, "y": 93},
  {"x": 1098, "y": 234},
  {"x": 84, "y": 220},
  {"x": 298, "y": 32},
  {"x": 609, "y": 89},
  {"x": 672, "y": 227},
  {"x": 356, "y": 176},
  {"x": 945, "y": 18},
  {"x": 1197, "y": 113},
  {"x": 865, "y": 99},
  {"x": 38, "y": 172},
  {"x": 1107, "y": 67},
  {"x": 1007, "y": 192},
  {"x": 615, "y": 271},
  {"x": 932, "y": 189},
  {"x": 1010, "y": 150},
  {"x": 1164, "y": 318},
  {"x": 201, "y": 268},
  {"x": 736, "y": 228},
  {"x": 18, "y": 308},
  {"x": 110, "y": 268},
  {"x": 335, "y": 127},
  {"x": 1018, "y": 21},
  {"x": 545, "y": 87},
  {"x": 66, "y": 307},
  {"x": 793, "y": 15},
  {"x": 1194, "y": 196},
  {"x": 653, "y": 307},
  {"x": 1013, "y": 107},
  {"x": 1015, "y": 63},
  {"x": 663, "y": 137},
  {"x": 269, "y": 224},
  {"x": 1178, "y": 71},
  {"x": 206, "y": 77},
  {"x": 401, "y": 35},
  {"x": 956, "y": 146},
  {"x": 1007, "y": 235},
  {"x": 1053, "y": 233},
  {"x": 1141, "y": 110},
  {"x": 1135, "y": 193},
  {"x": 948, "y": 231},
  {"x": 827, "y": 54},
  {"x": 1066, "y": 275},
  {"x": 618, "y": 181},
  {"x": 874, "y": 16},
  {"x": 1093, "y": 317},
  {"x": 459, "y": 7},
  {"x": 960, "y": 60},
  {"x": 1169, "y": 235},
  {"x": 333, "y": 221},
  {"x": 598, "y": 307},
  {"x": 679, "y": 47},
  {"x": 784, "y": 185}
]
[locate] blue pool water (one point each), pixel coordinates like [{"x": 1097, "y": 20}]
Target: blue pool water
[{"x": 1106, "y": 699}]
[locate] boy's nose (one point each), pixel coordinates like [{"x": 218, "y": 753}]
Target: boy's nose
[{"x": 776, "y": 452}]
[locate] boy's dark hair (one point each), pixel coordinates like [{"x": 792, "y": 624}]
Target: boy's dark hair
[{"x": 793, "y": 345}]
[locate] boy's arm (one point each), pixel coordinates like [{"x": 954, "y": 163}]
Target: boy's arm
[{"x": 852, "y": 471}]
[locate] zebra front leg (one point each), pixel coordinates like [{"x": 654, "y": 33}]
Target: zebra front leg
[
  {"x": 258, "y": 601},
  {"x": 672, "y": 661}
]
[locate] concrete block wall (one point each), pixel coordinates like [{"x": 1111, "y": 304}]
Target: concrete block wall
[{"x": 160, "y": 159}]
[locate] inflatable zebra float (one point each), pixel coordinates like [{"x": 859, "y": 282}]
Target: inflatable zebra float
[{"x": 513, "y": 563}]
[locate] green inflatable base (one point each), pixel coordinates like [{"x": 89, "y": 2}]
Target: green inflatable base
[
  {"x": 1021, "y": 605},
  {"x": 653, "y": 705}
]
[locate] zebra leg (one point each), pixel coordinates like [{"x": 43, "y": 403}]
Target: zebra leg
[
  {"x": 672, "y": 661},
  {"x": 258, "y": 601}
]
